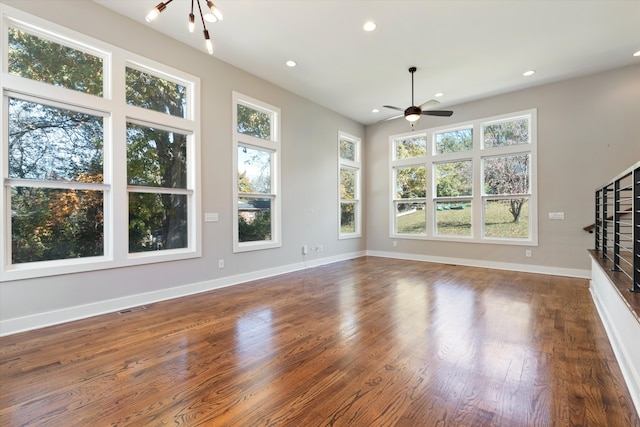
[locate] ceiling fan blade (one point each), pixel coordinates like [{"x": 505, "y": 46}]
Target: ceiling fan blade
[
  {"x": 393, "y": 108},
  {"x": 390, "y": 118},
  {"x": 441, "y": 113},
  {"x": 429, "y": 103}
]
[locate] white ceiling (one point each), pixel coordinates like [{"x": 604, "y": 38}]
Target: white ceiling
[{"x": 467, "y": 49}]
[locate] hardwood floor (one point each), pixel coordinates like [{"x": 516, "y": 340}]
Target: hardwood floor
[{"x": 367, "y": 342}]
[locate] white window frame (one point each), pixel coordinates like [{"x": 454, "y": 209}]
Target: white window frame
[
  {"x": 356, "y": 166},
  {"x": 272, "y": 146},
  {"x": 477, "y": 154},
  {"x": 112, "y": 106},
  {"x": 417, "y": 161}
]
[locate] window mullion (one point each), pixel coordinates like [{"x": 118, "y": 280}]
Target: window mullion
[
  {"x": 477, "y": 213},
  {"x": 117, "y": 219},
  {"x": 69, "y": 185}
]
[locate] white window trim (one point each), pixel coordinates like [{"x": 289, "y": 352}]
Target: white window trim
[
  {"x": 355, "y": 165},
  {"x": 273, "y": 145},
  {"x": 477, "y": 154},
  {"x": 394, "y": 164},
  {"x": 112, "y": 105}
]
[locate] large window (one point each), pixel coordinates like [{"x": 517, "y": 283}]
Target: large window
[
  {"x": 471, "y": 182},
  {"x": 89, "y": 181},
  {"x": 256, "y": 193},
  {"x": 349, "y": 186}
]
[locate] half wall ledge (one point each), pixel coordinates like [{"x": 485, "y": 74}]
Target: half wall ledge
[{"x": 619, "y": 311}]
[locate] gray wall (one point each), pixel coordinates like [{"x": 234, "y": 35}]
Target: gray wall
[
  {"x": 309, "y": 174},
  {"x": 588, "y": 132}
]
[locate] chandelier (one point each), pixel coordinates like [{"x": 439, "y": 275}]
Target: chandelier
[{"x": 212, "y": 14}]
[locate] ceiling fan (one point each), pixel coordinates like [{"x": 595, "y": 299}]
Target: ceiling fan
[{"x": 414, "y": 112}]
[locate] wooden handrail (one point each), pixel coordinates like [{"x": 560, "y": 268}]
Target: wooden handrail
[{"x": 590, "y": 227}]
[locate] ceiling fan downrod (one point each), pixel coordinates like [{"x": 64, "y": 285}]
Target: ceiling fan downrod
[{"x": 412, "y": 70}]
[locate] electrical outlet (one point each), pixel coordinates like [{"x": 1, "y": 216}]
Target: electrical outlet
[
  {"x": 527, "y": 253},
  {"x": 220, "y": 263},
  {"x": 556, "y": 215},
  {"x": 305, "y": 249}
]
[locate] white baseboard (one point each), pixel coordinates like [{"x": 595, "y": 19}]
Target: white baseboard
[
  {"x": 41, "y": 320},
  {"x": 526, "y": 268}
]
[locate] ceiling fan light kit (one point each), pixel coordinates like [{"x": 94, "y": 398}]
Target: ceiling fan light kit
[{"x": 414, "y": 112}]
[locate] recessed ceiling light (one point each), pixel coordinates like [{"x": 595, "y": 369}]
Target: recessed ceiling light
[
  {"x": 636, "y": 53},
  {"x": 291, "y": 63},
  {"x": 369, "y": 26},
  {"x": 375, "y": 110},
  {"x": 529, "y": 73},
  {"x": 438, "y": 95}
]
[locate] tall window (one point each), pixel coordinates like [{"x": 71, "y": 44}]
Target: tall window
[
  {"x": 349, "y": 183},
  {"x": 77, "y": 158},
  {"x": 256, "y": 141},
  {"x": 160, "y": 183},
  {"x": 453, "y": 181},
  {"x": 409, "y": 184},
  {"x": 469, "y": 182},
  {"x": 507, "y": 178}
]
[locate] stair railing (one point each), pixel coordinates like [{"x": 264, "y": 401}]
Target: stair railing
[{"x": 617, "y": 224}]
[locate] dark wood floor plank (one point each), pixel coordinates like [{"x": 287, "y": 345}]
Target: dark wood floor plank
[{"x": 367, "y": 342}]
